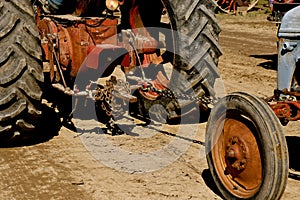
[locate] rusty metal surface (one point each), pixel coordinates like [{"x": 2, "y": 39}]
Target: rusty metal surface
[
  {"x": 103, "y": 59},
  {"x": 287, "y": 110},
  {"x": 236, "y": 156},
  {"x": 73, "y": 39},
  {"x": 160, "y": 84}
]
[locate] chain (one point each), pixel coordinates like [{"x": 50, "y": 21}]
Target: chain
[
  {"x": 108, "y": 104},
  {"x": 104, "y": 96},
  {"x": 123, "y": 86},
  {"x": 172, "y": 95}
]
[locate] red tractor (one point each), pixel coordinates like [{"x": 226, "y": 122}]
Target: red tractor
[
  {"x": 58, "y": 49},
  {"x": 67, "y": 52}
]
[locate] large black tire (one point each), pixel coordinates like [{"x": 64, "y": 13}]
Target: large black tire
[
  {"x": 20, "y": 69},
  {"x": 193, "y": 42},
  {"x": 197, "y": 46},
  {"x": 246, "y": 149},
  {"x": 160, "y": 110}
]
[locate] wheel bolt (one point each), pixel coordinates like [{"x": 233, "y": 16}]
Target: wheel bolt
[{"x": 231, "y": 153}]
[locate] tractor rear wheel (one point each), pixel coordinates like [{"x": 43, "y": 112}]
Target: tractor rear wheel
[
  {"x": 191, "y": 34},
  {"x": 20, "y": 69},
  {"x": 246, "y": 149}
]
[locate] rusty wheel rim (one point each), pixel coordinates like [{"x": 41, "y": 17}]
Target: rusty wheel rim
[{"x": 236, "y": 155}]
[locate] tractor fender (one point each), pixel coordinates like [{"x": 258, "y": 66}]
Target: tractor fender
[
  {"x": 289, "y": 48},
  {"x": 290, "y": 24},
  {"x": 103, "y": 59},
  {"x": 288, "y": 56}
]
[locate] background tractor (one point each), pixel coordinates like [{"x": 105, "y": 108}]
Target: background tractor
[
  {"x": 246, "y": 148},
  {"x": 235, "y": 6}
]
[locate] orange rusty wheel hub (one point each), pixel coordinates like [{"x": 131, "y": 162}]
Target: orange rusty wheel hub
[{"x": 237, "y": 156}]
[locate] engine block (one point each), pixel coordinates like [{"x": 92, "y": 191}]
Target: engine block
[{"x": 72, "y": 38}]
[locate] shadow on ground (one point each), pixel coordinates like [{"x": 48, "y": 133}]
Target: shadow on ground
[
  {"x": 208, "y": 179},
  {"x": 48, "y": 127},
  {"x": 270, "y": 63},
  {"x": 293, "y": 143}
]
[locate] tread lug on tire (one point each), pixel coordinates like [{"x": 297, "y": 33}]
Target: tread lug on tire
[{"x": 20, "y": 69}]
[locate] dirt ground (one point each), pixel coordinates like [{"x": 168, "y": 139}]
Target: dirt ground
[{"x": 87, "y": 165}]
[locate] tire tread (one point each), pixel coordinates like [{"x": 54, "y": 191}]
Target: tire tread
[
  {"x": 198, "y": 46},
  {"x": 20, "y": 67}
]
